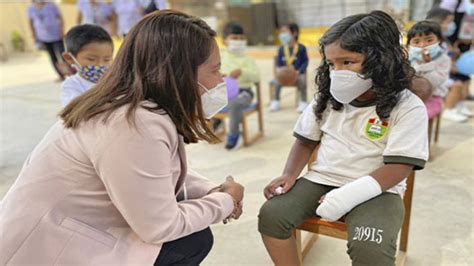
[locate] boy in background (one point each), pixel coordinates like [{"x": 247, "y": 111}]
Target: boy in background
[
  {"x": 89, "y": 49},
  {"x": 237, "y": 65}
]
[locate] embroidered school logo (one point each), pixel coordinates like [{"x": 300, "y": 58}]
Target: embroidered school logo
[{"x": 376, "y": 129}]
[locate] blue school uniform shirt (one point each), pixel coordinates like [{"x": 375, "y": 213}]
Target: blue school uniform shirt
[
  {"x": 300, "y": 62},
  {"x": 46, "y": 22}
]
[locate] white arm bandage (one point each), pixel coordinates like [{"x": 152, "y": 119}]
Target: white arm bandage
[{"x": 341, "y": 200}]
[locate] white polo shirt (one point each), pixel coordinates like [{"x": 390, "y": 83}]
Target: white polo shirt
[{"x": 355, "y": 142}]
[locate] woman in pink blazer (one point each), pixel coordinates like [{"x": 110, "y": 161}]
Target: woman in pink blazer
[{"x": 101, "y": 188}]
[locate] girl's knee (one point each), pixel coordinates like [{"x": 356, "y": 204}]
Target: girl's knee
[{"x": 273, "y": 220}]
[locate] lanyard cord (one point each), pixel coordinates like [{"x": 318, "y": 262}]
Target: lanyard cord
[{"x": 290, "y": 59}]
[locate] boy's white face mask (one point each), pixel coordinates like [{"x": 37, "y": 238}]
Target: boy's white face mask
[
  {"x": 213, "y": 100},
  {"x": 347, "y": 85},
  {"x": 237, "y": 46}
]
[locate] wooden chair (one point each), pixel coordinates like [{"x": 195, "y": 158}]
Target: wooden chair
[
  {"x": 436, "y": 122},
  {"x": 254, "y": 108},
  {"x": 338, "y": 229}
]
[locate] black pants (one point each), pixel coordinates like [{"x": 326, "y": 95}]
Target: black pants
[
  {"x": 55, "y": 51},
  {"x": 189, "y": 250}
]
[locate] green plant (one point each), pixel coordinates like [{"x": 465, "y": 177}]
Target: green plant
[{"x": 18, "y": 42}]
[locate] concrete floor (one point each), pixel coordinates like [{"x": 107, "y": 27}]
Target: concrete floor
[{"x": 442, "y": 214}]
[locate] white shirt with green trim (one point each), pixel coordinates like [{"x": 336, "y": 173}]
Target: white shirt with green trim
[{"x": 355, "y": 142}]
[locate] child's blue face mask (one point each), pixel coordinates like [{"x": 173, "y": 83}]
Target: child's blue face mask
[
  {"x": 285, "y": 38},
  {"x": 451, "y": 29},
  {"x": 415, "y": 53}
]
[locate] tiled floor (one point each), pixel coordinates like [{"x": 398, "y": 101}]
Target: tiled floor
[{"x": 442, "y": 214}]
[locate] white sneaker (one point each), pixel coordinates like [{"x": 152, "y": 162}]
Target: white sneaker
[
  {"x": 453, "y": 115},
  {"x": 465, "y": 111},
  {"x": 274, "y": 106},
  {"x": 301, "y": 107}
]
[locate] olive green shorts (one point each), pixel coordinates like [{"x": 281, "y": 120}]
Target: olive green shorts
[{"x": 373, "y": 226}]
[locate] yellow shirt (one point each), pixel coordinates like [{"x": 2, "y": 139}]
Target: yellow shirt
[{"x": 246, "y": 64}]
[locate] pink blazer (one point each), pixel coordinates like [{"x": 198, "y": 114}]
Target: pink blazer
[{"x": 105, "y": 194}]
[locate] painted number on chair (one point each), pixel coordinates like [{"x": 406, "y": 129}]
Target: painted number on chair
[{"x": 368, "y": 234}]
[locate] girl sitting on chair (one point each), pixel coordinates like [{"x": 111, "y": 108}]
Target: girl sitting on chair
[{"x": 372, "y": 132}]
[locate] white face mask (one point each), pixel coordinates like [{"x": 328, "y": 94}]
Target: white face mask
[
  {"x": 213, "y": 100},
  {"x": 237, "y": 46},
  {"x": 347, "y": 85}
]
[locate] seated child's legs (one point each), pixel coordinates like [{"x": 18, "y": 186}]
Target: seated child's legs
[
  {"x": 236, "y": 107},
  {"x": 434, "y": 104},
  {"x": 455, "y": 94},
  {"x": 281, "y": 214},
  {"x": 465, "y": 90},
  {"x": 301, "y": 84},
  {"x": 373, "y": 228},
  {"x": 276, "y": 89}
]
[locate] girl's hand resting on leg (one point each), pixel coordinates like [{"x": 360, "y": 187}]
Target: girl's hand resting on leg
[{"x": 278, "y": 186}]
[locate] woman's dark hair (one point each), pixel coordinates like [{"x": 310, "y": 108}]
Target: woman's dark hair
[
  {"x": 425, "y": 27},
  {"x": 232, "y": 28},
  {"x": 79, "y": 36},
  {"x": 376, "y": 36},
  {"x": 294, "y": 29},
  {"x": 158, "y": 61}
]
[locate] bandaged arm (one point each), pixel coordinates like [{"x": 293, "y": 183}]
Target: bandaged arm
[{"x": 340, "y": 201}]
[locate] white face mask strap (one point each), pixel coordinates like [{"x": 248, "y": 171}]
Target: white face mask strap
[
  {"x": 75, "y": 60},
  {"x": 204, "y": 87}
]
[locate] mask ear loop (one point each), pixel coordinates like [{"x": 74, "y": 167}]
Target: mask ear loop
[
  {"x": 75, "y": 61},
  {"x": 204, "y": 87}
]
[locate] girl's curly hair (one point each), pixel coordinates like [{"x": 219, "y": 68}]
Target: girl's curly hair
[{"x": 376, "y": 36}]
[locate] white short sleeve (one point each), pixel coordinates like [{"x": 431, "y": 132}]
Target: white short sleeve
[
  {"x": 307, "y": 129},
  {"x": 408, "y": 136}
]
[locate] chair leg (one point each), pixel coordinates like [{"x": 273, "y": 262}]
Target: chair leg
[
  {"x": 438, "y": 121},
  {"x": 403, "y": 245},
  {"x": 430, "y": 142},
  {"x": 260, "y": 121},
  {"x": 245, "y": 131},
  {"x": 400, "y": 259},
  {"x": 297, "y": 236},
  {"x": 303, "y": 246},
  {"x": 430, "y": 130}
]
